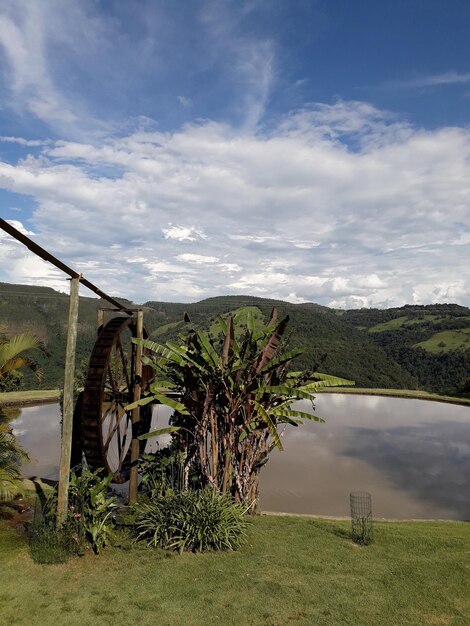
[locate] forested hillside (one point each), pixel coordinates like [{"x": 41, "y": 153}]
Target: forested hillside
[
  {"x": 431, "y": 342},
  {"x": 43, "y": 311},
  {"x": 326, "y": 339},
  {"x": 393, "y": 348}
]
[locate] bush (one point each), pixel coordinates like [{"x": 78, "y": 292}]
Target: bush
[
  {"x": 89, "y": 520},
  {"x": 192, "y": 520},
  {"x": 91, "y": 506}
]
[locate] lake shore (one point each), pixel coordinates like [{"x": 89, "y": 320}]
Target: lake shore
[
  {"x": 48, "y": 396},
  {"x": 400, "y": 393},
  {"x": 29, "y": 398}
]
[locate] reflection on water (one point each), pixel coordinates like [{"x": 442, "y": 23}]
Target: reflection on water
[
  {"x": 38, "y": 431},
  {"x": 413, "y": 456}
]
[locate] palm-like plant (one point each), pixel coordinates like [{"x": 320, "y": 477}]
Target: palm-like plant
[
  {"x": 234, "y": 395},
  {"x": 12, "y": 358},
  {"x": 11, "y": 456}
]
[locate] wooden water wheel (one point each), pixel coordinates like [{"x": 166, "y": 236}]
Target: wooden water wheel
[{"x": 105, "y": 424}]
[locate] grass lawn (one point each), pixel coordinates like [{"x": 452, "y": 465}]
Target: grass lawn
[
  {"x": 11, "y": 398},
  {"x": 292, "y": 570}
]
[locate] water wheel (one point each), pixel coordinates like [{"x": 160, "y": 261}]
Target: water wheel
[{"x": 105, "y": 425}]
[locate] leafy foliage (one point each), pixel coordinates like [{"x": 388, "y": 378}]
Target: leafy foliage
[
  {"x": 191, "y": 520},
  {"x": 12, "y": 358},
  {"x": 90, "y": 504},
  {"x": 234, "y": 394},
  {"x": 11, "y": 455},
  {"x": 161, "y": 472},
  {"x": 90, "y": 516}
]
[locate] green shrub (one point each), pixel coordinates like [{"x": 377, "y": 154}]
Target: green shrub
[
  {"x": 192, "y": 520},
  {"x": 89, "y": 519},
  {"x": 91, "y": 506},
  {"x": 161, "y": 472}
]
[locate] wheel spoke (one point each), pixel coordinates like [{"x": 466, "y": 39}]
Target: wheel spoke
[
  {"x": 124, "y": 363},
  {"x": 124, "y": 449},
  {"x": 111, "y": 432}
]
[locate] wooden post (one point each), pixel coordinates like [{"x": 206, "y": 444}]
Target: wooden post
[
  {"x": 135, "y": 444},
  {"x": 67, "y": 411}
]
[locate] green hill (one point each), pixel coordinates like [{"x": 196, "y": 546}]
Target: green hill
[
  {"x": 327, "y": 341},
  {"x": 392, "y": 348},
  {"x": 431, "y": 342}
]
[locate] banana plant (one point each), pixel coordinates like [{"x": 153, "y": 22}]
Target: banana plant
[{"x": 235, "y": 394}]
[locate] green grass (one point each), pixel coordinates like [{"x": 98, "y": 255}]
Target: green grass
[
  {"x": 402, "y": 393},
  {"x": 291, "y": 571},
  {"x": 391, "y": 325},
  {"x": 452, "y": 340},
  {"x": 404, "y": 320},
  {"x": 11, "y": 398},
  {"x": 161, "y": 330}
]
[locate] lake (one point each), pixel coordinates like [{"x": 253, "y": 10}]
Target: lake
[{"x": 413, "y": 456}]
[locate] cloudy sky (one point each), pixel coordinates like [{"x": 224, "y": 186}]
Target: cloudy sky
[{"x": 308, "y": 150}]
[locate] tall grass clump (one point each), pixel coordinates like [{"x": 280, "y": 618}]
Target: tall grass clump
[
  {"x": 48, "y": 544},
  {"x": 194, "y": 521}
]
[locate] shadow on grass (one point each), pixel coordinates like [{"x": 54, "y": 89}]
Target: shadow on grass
[
  {"x": 39, "y": 487},
  {"x": 333, "y": 529}
]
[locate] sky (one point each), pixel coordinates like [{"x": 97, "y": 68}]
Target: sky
[{"x": 306, "y": 150}]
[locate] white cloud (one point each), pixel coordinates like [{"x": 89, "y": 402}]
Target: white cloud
[
  {"x": 198, "y": 259},
  {"x": 434, "y": 80},
  {"x": 32, "y": 143},
  {"x": 341, "y": 204},
  {"x": 22, "y": 36},
  {"x": 183, "y": 233},
  {"x": 21, "y": 266},
  {"x": 185, "y": 101}
]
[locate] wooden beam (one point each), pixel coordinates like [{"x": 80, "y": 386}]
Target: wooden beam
[
  {"x": 135, "y": 444},
  {"x": 47, "y": 256},
  {"x": 67, "y": 410}
]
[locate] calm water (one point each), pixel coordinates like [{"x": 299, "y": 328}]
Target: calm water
[{"x": 412, "y": 456}]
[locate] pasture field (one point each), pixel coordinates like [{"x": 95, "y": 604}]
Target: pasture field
[{"x": 446, "y": 341}]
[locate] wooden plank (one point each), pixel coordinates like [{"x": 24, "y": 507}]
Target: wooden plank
[{"x": 67, "y": 417}]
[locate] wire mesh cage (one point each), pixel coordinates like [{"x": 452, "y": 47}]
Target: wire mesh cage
[{"x": 361, "y": 517}]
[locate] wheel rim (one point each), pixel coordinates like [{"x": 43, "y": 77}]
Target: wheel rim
[{"x": 106, "y": 425}]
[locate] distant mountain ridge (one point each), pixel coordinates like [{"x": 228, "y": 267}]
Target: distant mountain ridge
[{"x": 355, "y": 344}]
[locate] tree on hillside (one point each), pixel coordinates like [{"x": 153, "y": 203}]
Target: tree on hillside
[{"x": 234, "y": 392}]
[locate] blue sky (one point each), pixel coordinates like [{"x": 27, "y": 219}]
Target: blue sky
[{"x": 302, "y": 149}]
